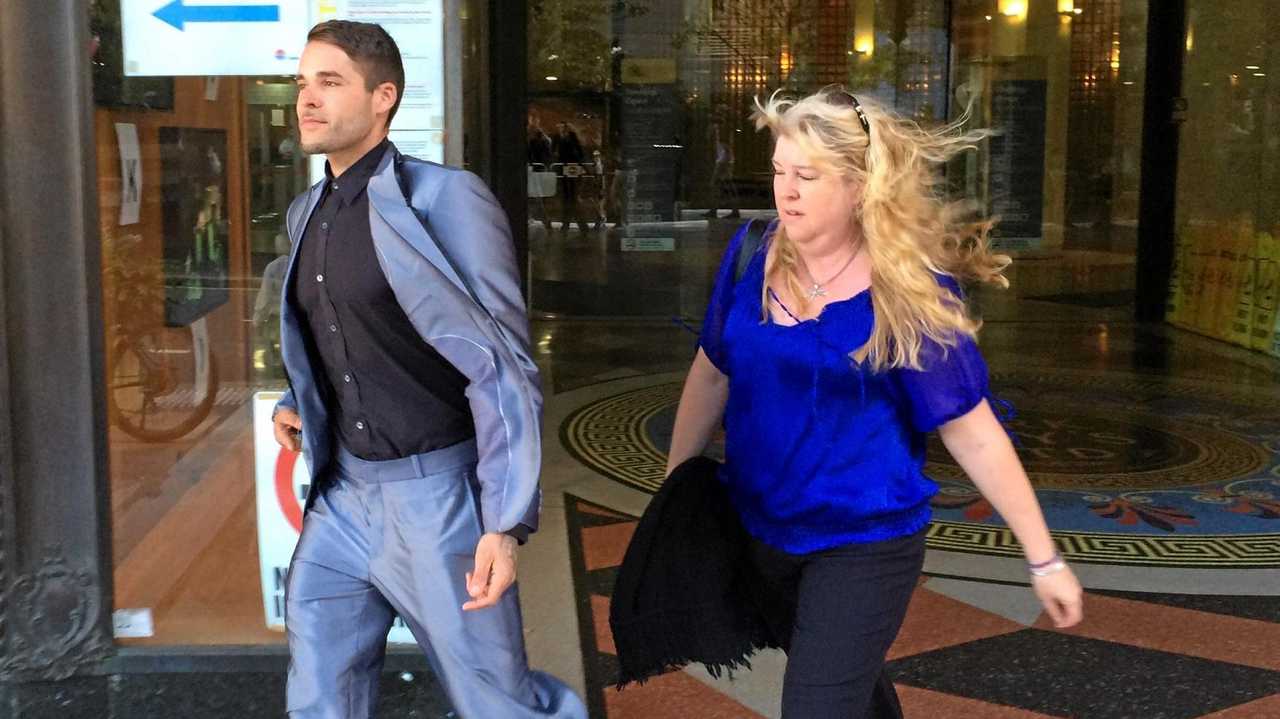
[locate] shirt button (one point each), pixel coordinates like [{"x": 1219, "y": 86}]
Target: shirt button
[
  {"x": 333, "y": 328},
  {"x": 359, "y": 425},
  {"x": 335, "y": 187},
  {"x": 324, "y": 225},
  {"x": 346, "y": 378},
  {"x": 319, "y": 278}
]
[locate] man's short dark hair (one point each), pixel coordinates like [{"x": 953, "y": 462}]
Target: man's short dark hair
[{"x": 371, "y": 48}]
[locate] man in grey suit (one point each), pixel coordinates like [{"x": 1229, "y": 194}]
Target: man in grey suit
[{"x": 415, "y": 400}]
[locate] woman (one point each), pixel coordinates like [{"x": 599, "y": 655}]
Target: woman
[{"x": 844, "y": 342}]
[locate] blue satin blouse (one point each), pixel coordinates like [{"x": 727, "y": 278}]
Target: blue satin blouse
[{"x": 821, "y": 452}]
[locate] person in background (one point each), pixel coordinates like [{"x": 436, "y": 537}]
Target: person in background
[
  {"x": 569, "y": 154},
  {"x": 722, "y": 184},
  {"x": 539, "y": 157}
]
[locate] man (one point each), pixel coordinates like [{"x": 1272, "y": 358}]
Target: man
[
  {"x": 722, "y": 175},
  {"x": 539, "y": 157},
  {"x": 568, "y": 152},
  {"x": 415, "y": 399}
]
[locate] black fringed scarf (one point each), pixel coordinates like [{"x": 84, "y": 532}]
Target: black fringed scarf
[{"x": 683, "y": 593}]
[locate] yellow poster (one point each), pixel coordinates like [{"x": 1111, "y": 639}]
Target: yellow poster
[
  {"x": 1274, "y": 350},
  {"x": 1208, "y": 285},
  {"x": 1264, "y": 293},
  {"x": 1175, "y": 302},
  {"x": 1232, "y": 255},
  {"x": 1246, "y": 271},
  {"x": 1190, "y": 278}
]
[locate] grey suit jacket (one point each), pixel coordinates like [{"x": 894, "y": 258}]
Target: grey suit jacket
[{"x": 448, "y": 256}]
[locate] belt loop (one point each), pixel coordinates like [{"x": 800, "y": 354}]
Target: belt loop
[{"x": 417, "y": 465}]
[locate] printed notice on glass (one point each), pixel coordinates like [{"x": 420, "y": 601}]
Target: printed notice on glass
[
  {"x": 213, "y": 37},
  {"x": 417, "y": 26},
  {"x": 130, "y": 172}
]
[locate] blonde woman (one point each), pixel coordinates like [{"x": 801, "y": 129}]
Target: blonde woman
[{"x": 843, "y": 343}]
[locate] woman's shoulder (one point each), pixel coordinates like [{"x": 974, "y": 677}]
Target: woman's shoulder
[{"x": 948, "y": 281}]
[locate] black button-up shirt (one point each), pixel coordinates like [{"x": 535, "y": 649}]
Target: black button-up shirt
[{"x": 389, "y": 393}]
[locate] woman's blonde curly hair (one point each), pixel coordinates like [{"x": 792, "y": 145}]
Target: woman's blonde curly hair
[{"x": 910, "y": 230}]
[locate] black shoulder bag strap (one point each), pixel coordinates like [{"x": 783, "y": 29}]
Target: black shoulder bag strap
[{"x": 750, "y": 245}]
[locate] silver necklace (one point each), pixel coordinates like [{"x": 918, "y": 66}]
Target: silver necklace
[{"x": 819, "y": 289}]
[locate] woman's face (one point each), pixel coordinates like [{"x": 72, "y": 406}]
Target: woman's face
[{"x": 812, "y": 202}]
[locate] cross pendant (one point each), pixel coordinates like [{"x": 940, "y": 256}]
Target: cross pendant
[{"x": 816, "y": 291}]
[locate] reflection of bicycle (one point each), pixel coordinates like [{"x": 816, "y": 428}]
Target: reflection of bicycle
[{"x": 161, "y": 383}]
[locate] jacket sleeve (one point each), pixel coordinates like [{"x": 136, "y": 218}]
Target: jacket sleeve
[
  {"x": 506, "y": 400},
  {"x": 293, "y": 218},
  {"x": 288, "y": 401},
  {"x": 711, "y": 338}
]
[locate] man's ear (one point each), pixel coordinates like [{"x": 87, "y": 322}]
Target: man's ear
[{"x": 384, "y": 97}]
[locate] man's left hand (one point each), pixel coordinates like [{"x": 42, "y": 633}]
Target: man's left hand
[{"x": 494, "y": 572}]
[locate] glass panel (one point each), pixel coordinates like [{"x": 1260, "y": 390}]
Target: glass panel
[
  {"x": 1227, "y": 262},
  {"x": 642, "y": 161},
  {"x": 1061, "y": 83},
  {"x": 195, "y": 175}
]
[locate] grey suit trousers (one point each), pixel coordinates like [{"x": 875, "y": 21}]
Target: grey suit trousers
[{"x": 397, "y": 537}]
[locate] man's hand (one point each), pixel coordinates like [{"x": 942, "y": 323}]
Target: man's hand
[
  {"x": 287, "y": 426},
  {"x": 494, "y": 572}
]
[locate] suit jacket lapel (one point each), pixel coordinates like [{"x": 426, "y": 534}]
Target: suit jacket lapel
[
  {"x": 387, "y": 199},
  {"x": 296, "y": 225}
]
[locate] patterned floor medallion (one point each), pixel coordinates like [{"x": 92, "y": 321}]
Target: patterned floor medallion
[{"x": 1131, "y": 469}]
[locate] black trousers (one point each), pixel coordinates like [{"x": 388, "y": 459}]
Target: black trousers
[
  {"x": 836, "y": 613},
  {"x": 569, "y": 203}
]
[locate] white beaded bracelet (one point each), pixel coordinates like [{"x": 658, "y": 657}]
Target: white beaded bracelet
[{"x": 1052, "y": 567}]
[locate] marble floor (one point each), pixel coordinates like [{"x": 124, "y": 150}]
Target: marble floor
[
  {"x": 1176, "y": 537},
  {"x": 1183, "y": 618}
]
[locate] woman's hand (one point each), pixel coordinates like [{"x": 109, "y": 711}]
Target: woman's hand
[{"x": 1062, "y": 597}]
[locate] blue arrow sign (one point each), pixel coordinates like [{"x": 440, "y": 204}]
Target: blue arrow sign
[{"x": 177, "y": 14}]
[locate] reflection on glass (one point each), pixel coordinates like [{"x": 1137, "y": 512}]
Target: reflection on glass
[
  {"x": 1227, "y": 262},
  {"x": 194, "y": 177},
  {"x": 657, "y": 93},
  {"x": 1061, "y": 87}
]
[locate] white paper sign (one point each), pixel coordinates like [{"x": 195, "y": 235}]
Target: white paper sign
[
  {"x": 200, "y": 349},
  {"x": 648, "y": 244},
  {"x": 132, "y": 623},
  {"x": 281, "y": 482},
  {"x": 130, "y": 173},
  {"x": 214, "y": 37}
]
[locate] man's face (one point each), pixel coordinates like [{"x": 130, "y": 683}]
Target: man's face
[{"x": 335, "y": 110}]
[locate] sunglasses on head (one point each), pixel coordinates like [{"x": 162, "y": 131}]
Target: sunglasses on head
[{"x": 841, "y": 98}]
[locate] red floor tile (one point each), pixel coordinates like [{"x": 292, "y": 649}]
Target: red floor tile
[
  {"x": 600, "y": 511},
  {"x": 1264, "y": 708},
  {"x": 604, "y": 546},
  {"x": 935, "y": 621},
  {"x": 600, "y": 620},
  {"x": 673, "y": 696},
  {"x": 918, "y": 702},
  {"x": 1181, "y": 631}
]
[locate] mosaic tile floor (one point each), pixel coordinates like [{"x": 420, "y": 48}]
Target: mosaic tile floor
[{"x": 966, "y": 650}]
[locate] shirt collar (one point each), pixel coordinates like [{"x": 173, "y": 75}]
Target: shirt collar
[{"x": 353, "y": 181}]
